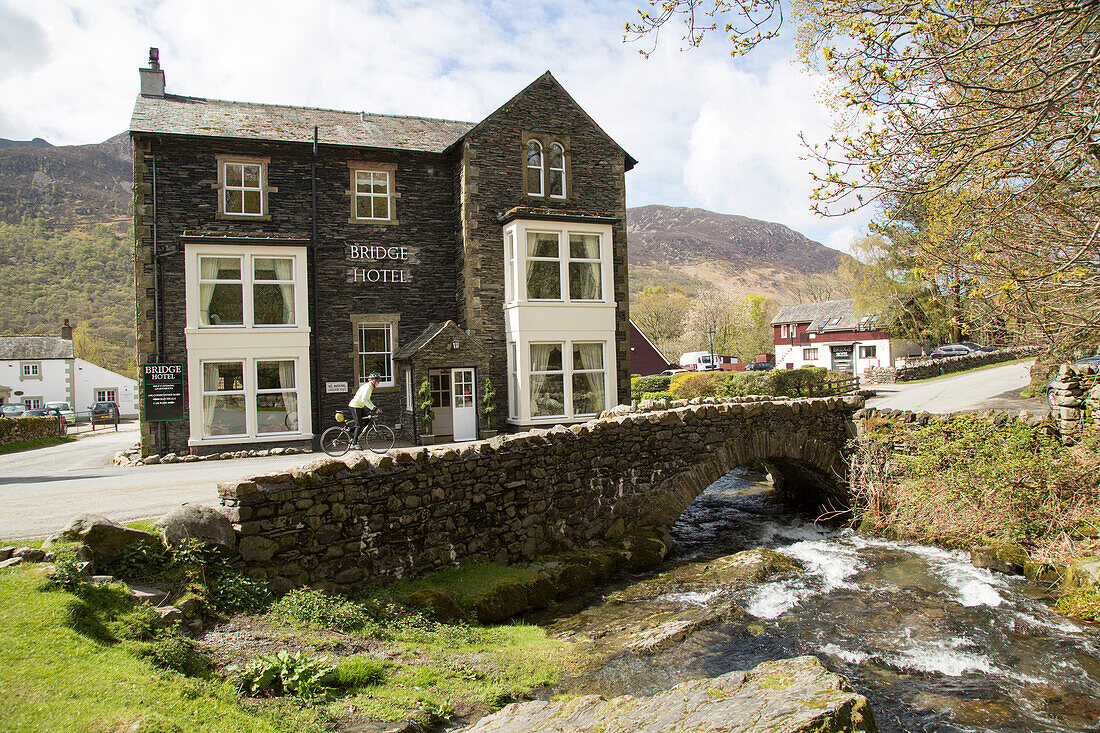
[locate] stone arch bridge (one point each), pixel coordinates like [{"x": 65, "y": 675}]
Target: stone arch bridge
[{"x": 341, "y": 522}]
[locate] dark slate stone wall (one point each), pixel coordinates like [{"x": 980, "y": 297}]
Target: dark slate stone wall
[
  {"x": 492, "y": 170},
  {"x": 427, "y": 223},
  {"x": 337, "y": 523}
]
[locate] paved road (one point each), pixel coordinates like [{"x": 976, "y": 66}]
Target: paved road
[
  {"x": 40, "y": 490},
  {"x": 994, "y": 387}
]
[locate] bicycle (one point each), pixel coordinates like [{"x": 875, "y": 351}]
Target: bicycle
[{"x": 337, "y": 440}]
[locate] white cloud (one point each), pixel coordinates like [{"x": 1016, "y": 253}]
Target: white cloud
[{"x": 706, "y": 131}]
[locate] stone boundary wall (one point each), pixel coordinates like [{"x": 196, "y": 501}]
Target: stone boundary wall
[
  {"x": 925, "y": 367},
  {"x": 337, "y": 523},
  {"x": 1075, "y": 399},
  {"x": 25, "y": 429}
]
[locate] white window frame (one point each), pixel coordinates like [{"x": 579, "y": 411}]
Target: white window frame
[
  {"x": 106, "y": 394},
  {"x": 247, "y": 283},
  {"x": 809, "y": 353},
  {"x": 243, "y": 391},
  {"x": 31, "y": 370},
  {"x": 868, "y": 351},
  {"x": 409, "y": 390},
  {"x": 550, "y": 169},
  {"x": 32, "y": 403},
  {"x": 370, "y": 195},
  {"x": 527, "y": 150},
  {"x": 566, "y": 392},
  {"x": 227, "y": 188},
  {"x": 573, "y": 371},
  {"x": 513, "y": 371},
  {"x": 360, "y": 326},
  {"x": 510, "y": 267},
  {"x": 598, "y": 260},
  {"x": 254, "y": 396},
  {"x": 563, "y": 283}
]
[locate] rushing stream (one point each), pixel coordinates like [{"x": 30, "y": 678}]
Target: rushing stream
[{"x": 933, "y": 642}]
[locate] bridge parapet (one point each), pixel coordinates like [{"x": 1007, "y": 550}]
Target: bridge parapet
[{"x": 342, "y": 522}]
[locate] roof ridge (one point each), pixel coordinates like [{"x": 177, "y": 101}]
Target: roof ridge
[{"x": 316, "y": 109}]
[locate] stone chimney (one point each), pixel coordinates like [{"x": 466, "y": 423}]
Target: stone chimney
[
  {"x": 152, "y": 79},
  {"x": 66, "y": 330}
]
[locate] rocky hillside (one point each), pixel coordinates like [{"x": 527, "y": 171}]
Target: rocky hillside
[
  {"x": 67, "y": 184},
  {"x": 674, "y": 235}
]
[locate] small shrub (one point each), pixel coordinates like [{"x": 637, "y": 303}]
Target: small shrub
[
  {"x": 135, "y": 624},
  {"x": 689, "y": 385},
  {"x": 360, "y": 672},
  {"x": 742, "y": 384},
  {"x": 139, "y": 560},
  {"x": 657, "y": 396},
  {"x": 230, "y": 592},
  {"x": 172, "y": 650},
  {"x": 308, "y": 607},
  {"x": 638, "y": 385},
  {"x": 66, "y": 573},
  {"x": 286, "y": 673}
]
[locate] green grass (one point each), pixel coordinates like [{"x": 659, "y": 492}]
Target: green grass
[
  {"x": 61, "y": 671},
  {"x": 967, "y": 371},
  {"x": 466, "y": 583},
  {"x": 32, "y": 444}
]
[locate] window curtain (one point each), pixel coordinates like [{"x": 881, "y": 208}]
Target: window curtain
[
  {"x": 540, "y": 359},
  {"x": 590, "y": 356},
  {"x": 284, "y": 270},
  {"x": 209, "y": 401},
  {"x": 286, "y": 381},
  {"x": 208, "y": 270},
  {"x": 584, "y": 281}
]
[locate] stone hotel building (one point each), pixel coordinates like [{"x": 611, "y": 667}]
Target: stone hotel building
[{"x": 284, "y": 253}]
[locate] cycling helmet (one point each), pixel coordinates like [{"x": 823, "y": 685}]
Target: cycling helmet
[{"x": 373, "y": 376}]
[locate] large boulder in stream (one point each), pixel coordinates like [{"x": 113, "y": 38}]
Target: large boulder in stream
[
  {"x": 786, "y": 696},
  {"x": 728, "y": 573}
]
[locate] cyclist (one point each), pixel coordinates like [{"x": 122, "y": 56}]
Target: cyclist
[{"x": 361, "y": 404}]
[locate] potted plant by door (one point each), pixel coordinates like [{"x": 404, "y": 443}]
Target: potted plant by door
[
  {"x": 427, "y": 416},
  {"x": 488, "y": 407}
]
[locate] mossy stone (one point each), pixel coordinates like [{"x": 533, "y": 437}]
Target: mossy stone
[
  {"x": 436, "y": 604},
  {"x": 502, "y": 602},
  {"x": 573, "y": 580}
]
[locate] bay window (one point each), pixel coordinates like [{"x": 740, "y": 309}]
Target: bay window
[
  {"x": 223, "y": 282},
  {"x": 547, "y": 381},
  {"x": 249, "y": 398},
  {"x": 276, "y": 397},
  {"x": 585, "y": 272},
  {"x": 223, "y": 399},
  {"x": 273, "y": 291},
  {"x": 543, "y": 266}
]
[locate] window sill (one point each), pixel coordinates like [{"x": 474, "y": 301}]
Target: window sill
[
  {"x": 237, "y": 330},
  {"x": 375, "y": 222},
  {"x": 232, "y": 440},
  {"x": 242, "y": 217},
  {"x": 559, "y": 303}
]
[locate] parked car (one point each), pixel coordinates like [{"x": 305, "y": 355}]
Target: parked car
[
  {"x": 759, "y": 366},
  {"x": 45, "y": 412},
  {"x": 65, "y": 409},
  {"x": 960, "y": 349},
  {"x": 1080, "y": 362},
  {"x": 104, "y": 411},
  {"x": 13, "y": 410},
  {"x": 669, "y": 372}
]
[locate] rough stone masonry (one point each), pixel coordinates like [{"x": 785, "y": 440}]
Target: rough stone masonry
[{"x": 337, "y": 523}]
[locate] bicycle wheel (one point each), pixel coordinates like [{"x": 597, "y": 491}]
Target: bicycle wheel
[
  {"x": 378, "y": 438},
  {"x": 336, "y": 441}
]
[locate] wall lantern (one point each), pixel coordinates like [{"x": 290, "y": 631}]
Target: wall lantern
[{"x": 455, "y": 345}]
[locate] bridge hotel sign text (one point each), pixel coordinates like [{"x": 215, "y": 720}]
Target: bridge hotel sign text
[{"x": 381, "y": 264}]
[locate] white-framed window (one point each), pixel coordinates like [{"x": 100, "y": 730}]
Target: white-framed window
[
  {"x": 375, "y": 347},
  {"x": 242, "y": 188},
  {"x": 372, "y": 195},
  {"x": 556, "y": 171},
  {"x": 867, "y": 352},
  {"x": 589, "y": 384},
  {"x": 409, "y": 390},
  {"x": 809, "y": 354},
  {"x": 224, "y": 281},
  {"x": 543, "y": 266},
  {"x": 867, "y": 323},
  {"x": 509, "y": 267},
  {"x": 585, "y": 269},
  {"x": 106, "y": 394},
  {"x": 783, "y": 331},
  {"x": 534, "y": 168},
  {"x": 513, "y": 368},
  {"x": 224, "y": 399},
  {"x": 30, "y": 370},
  {"x": 32, "y": 403},
  {"x": 276, "y": 396},
  {"x": 547, "y": 380}
]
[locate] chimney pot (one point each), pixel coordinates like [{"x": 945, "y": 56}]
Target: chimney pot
[{"x": 152, "y": 79}]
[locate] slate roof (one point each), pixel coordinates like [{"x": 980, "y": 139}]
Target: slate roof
[
  {"x": 423, "y": 339},
  {"x": 179, "y": 115},
  {"x": 816, "y": 313},
  {"x": 35, "y": 347}
]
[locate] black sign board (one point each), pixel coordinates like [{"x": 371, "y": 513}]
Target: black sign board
[{"x": 162, "y": 386}]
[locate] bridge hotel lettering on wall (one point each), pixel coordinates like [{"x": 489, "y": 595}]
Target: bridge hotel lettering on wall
[{"x": 381, "y": 256}]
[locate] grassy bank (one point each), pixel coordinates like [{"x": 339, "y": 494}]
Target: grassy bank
[
  {"x": 90, "y": 658},
  {"x": 32, "y": 444},
  {"x": 967, "y": 481},
  {"x": 971, "y": 371}
]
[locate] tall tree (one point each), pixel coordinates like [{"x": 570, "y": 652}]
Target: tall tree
[{"x": 984, "y": 110}]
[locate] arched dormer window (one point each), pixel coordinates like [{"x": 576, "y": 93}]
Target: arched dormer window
[
  {"x": 534, "y": 168},
  {"x": 557, "y": 171}
]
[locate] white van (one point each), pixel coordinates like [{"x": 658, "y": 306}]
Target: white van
[{"x": 700, "y": 361}]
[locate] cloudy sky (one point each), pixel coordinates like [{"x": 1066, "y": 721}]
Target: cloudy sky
[{"x": 708, "y": 130}]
